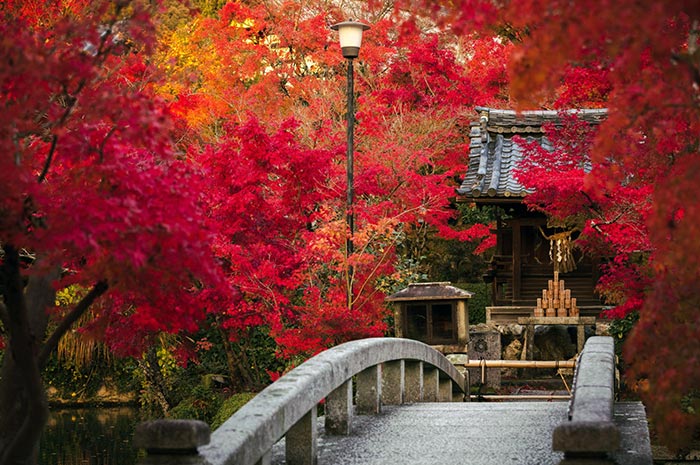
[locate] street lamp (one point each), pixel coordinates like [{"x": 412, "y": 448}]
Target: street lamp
[{"x": 350, "y": 35}]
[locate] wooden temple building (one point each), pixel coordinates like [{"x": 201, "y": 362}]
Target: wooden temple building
[{"x": 528, "y": 251}]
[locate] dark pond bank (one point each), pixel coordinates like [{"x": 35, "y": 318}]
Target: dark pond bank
[{"x": 89, "y": 436}]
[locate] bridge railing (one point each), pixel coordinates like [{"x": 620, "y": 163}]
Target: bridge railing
[
  {"x": 590, "y": 430},
  {"x": 386, "y": 371}
]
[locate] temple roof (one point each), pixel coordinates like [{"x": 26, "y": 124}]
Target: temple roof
[{"x": 494, "y": 155}]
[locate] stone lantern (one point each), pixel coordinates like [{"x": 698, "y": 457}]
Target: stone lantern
[{"x": 434, "y": 313}]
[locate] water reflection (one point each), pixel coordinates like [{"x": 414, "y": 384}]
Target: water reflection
[{"x": 89, "y": 436}]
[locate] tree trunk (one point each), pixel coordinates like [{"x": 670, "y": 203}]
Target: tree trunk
[
  {"x": 154, "y": 379},
  {"x": 23, "y": 405},
  {"x": 23, "y": 412},
  {"x": 231, "y": 358}
]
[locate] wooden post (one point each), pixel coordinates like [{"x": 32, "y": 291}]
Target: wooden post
[{"x": 516, "y": 260}]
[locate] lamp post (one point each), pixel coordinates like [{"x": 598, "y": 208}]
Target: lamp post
[{"x": 350, "y": 36}]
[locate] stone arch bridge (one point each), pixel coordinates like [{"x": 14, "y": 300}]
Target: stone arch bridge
[{"x": 392, "y": 400}]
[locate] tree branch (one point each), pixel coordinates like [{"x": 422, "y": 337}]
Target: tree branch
[
  {"x": 597, "y": 225},
  {"x": 101, "y": 150},
  {"x": 81, "y": 307},
  {"x": 49, "y": 158},
  {"x": 592, "y": 204}
]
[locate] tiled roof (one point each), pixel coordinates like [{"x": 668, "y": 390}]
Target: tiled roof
[{"x": 494, "y": 155}]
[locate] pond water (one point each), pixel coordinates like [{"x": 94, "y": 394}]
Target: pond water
[{"x": 89, "y": 436}]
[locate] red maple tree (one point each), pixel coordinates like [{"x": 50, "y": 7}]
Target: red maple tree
[
  {"x": 273, "y": 128},
  {"x": 92, "y": 195}
]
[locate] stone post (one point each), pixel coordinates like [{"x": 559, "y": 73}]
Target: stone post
[
  {"x": 302, "y": 441},
  {"x": 445, "y": 390},
  {"x": 485, "y": 343},
  {"x": 393, "y": 383},
  {"x": 172, "y": 442},
  {"x": 466, "y": 397},
  {"x": 339, "y": 410},
  {"x": 431, "y": 383},
  {"x": 369, "y": 391},
  {"x": 413, "y": 374}
]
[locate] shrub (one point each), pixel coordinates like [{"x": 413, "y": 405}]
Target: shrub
[
  {"x": 229, "y": 407},
  {"x": 202, "y": 404},
  {"x": 479, "y": 301}
]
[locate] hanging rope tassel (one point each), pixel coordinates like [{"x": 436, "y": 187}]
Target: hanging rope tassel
[{"x": 561, "y": 251}]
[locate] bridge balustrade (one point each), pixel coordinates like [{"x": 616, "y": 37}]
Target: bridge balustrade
[{"x": 591, "y": 430}]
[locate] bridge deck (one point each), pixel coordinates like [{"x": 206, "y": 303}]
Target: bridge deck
[{"x": 518, "y": 433}]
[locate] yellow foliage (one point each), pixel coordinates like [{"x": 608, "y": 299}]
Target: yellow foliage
[
  {"x": 69, "y": 295},
  {"x": 179, "y": 58},
  {"x": 74, "y": 345}
]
